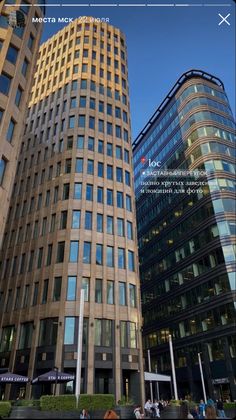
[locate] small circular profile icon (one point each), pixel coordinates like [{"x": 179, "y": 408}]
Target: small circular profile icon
[{"x": 16, "y": 19}]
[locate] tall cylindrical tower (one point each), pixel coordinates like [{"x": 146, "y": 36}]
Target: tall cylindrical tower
[{"x": 72, "y": 220}]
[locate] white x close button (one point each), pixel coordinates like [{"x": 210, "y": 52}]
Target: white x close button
[{"x": 224, "y": 19}]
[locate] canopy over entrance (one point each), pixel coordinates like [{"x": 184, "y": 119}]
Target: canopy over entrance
[{"x": 156, "y": 377}]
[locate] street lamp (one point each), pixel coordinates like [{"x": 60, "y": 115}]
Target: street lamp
[{"x": 55, "y": 388}]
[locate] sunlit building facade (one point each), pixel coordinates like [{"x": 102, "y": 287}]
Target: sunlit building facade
[
  {"x": 18, "y": 53},
  {"x": 187, "y": 240},
  {"x": 72, "y": 221}
]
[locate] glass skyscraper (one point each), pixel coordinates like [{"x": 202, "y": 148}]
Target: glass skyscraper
[{"x": 186, "y": 240}]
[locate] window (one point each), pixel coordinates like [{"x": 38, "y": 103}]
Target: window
[
  {"x": 88, "y": 220},
  {"x": 12, "y": 54},
  {"x": 109, "y": 149},
  {"x": 100, "y": 169},
  {"x": 82, "y": 102},
  {"x": 98, "y": 291},
  {"x": 69, "y": 330},
  {"x": 57, "y": 289},
  {"x": 24, "y": 67},
  {"x": 110, "y": 292},
  {"x": 71, "y": 288},
  {"x": 45, "y": 291},
  {"x": 74, "y": 251},
  {"x": 129, "y": 230},
  {"x": 10, "y": 131},
  {"x": 110, "y": 225},
  {"x": 120, "y": 227},
  {"x": 35, "y": 295},
  {"x": 53, "y": 223},
  {"x": 110, "y": 256},
  {"x": 3, "y": 164},
  {"x": 118, "y": 152},
  {"x": 91, "y": 144},
  {"x": 99, "y": 254},
  {"x": 85, "y": 287},
  {"x": 87, "y": 253},
  {"x": 90, "y": 167},
  {"x": 109, "y": 197},
  {"x": 119, "y": 175},
  {"x": 122, "y": 293},
  {"x": 127, "y": 178},
  {"x": 121, "y": 258},
  {"x": 99, "y": 222},
  {"x": 100, "y": 146},
  {"x": 18, "y": 96},
  {"x": 63, "y": 221},
  {"x": 26, "y": 297},
  {"x": 60, "y": 252},
  {"x": 40, "y": 258},
  {"x": 128, "y": 203},
  {"x": 72, "y": 121},
  {"x": 77, "y": 191},
  {"x": 79, "y": 165},
  {"x": 81, "y": 121},
  {"x": 98, "y": 332},
  {"x": 91, "y": 123},
  {"x": 132, "y": 295},
  {"x": 100, "y": 195},
  {"x": 30, "y": 42},
  {"x": 89, "y": 192},
  {"x": 68, "y": 166},
  {"x": 126, "y": 156},
  {"x": 119, "y": 199},
  {"x": 49, "y": 256},
  {"x": 66, "y": 192},
  {"x": 110, "y": 172},
  {"x": 80, "y": 142},
  {"x": 76, "y": 219},
  {"x": 5, "y": 83},
  {"x": 131, "y": 260}
]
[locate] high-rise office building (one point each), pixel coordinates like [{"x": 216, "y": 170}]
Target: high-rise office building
[
  {"x": 71, "y": 224},
  {"x": 186, "y": 240},
  {"x": 18, "y": 53}
]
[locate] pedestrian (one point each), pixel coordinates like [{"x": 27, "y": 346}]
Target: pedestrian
[
  {"x": 110, "y": 414},
  {"x": 148, "y": 408},
  {"x": 156, "y": 406},
  {"x": 220, "y": 408},
  {"x": 184, "y": 411},
  {"x": 84, "y": 414},
  {"x": 137, "y": 412},
  {"x": 202, "y": 410},
  {"x": 210, "y": 412}
]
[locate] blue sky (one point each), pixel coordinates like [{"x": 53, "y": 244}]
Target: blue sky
[{"x": 163, "y": 43}]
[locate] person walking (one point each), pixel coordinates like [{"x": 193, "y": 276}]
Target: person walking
[
  {"x": 202, "y": 410},
  {"x": 210, "y": 412},
  {"x": 220, "y": 409},
  {"x": 184, "y": 411},
  {"x": 148, "y": 408},
  {"x": 137, "y": 412}
]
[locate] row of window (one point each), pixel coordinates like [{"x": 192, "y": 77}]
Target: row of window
[
  {"x": 70, "y": 89},
  {"x": 122, "y": 200},
  {"x": 103, "y": 332},
  {"x": 173, "y": 111},
  {"x": 102, "y": 255},
  {"x": 80, "y": 143},
  {"x": 120, "y": 175},
  {"x": 221, "y": 316},
  {"x": 197, "y": 295},
  {"x": 104, "y": 293}
]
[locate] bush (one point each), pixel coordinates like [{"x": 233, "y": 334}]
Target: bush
[
  {"x": 96, "y": 402},
  {"x": 5, "y": 409},
  {"x": 28, "y": 403},
  {"x": 230, "y": 405},
  {"x": 58, "y": 403},
  {"x": 68, "y": 402}
]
